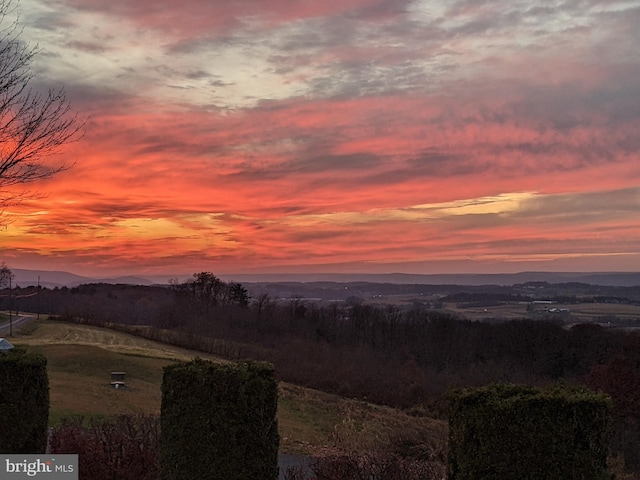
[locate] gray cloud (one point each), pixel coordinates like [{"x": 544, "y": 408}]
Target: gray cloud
[{"x": 335, "y": 165}]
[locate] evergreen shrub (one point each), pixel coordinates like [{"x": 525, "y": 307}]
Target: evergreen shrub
[
  {"x": 511, "y": 432},
  {"x": 218, "y": 421},
  {"x": 24, "y": 402}
]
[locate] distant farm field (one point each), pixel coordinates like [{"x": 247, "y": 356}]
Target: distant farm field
[
  {"x": 81, "y": 358},
  {"x": 571, "y": 312}
]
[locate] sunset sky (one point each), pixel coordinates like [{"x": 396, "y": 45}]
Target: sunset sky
[{"x": 423, "y": 136}]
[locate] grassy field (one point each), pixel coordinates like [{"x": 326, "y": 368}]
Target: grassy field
[
  {"x": 576, "y": 312},
  {"x": 80, "y": 359}
]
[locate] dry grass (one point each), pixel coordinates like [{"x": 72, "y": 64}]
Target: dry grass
[
  {"x": 621, "y": 311},
  {"x": 321, "y": 423},
  {"x": 577, "y": 311},
  {"x": 53, "y": 332},
  {"x": 506, "y": 311},
  {"x": 80, "y": 359}
]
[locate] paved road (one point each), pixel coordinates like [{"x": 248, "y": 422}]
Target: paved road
[
  {"x": 18, "y": 320},
  {"x": 286, "y": 460}
]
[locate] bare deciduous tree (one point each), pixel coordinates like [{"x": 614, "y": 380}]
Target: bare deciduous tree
[
  {"x": 33, "y": 126},
  {"x": 5, "y": 275}
]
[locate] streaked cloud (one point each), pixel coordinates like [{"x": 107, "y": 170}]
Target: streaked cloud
[{"x": 248, "y": 134}]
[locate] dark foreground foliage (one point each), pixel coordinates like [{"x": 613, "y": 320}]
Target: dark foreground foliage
[
  {"x": 126, "y": 448},
  {"x": 515, "y": 432},
  {"x": 402, "y": 357},
  {"x": 620, "y": 378},
  {"x": 379, "y": 466},
  {"x": 24, "y": 387},
  {"x": 219, "y": 421}
]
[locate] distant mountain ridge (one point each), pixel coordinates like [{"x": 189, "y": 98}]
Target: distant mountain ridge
[
  {"x": 612, "y": 279},
  {"x": 51, "y": 279}
]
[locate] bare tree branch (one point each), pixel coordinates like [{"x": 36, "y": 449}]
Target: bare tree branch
[{"x": 33, "y": 126}]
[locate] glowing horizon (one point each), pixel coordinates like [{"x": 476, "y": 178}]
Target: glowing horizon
[{"x": 369, "y": 136}]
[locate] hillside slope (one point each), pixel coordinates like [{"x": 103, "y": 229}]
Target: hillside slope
[{"x": 80, "y": 359}]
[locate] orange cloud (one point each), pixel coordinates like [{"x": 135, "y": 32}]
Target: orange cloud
[{"x": 237, "y": 136}]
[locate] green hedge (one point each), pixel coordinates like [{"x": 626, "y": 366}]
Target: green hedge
[
  {"x": 24, "y": 402},
  {"x": 218, "y": 422},
  {"x": 510, "y": 432}
]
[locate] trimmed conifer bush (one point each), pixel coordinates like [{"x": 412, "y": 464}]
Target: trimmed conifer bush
[
  {"x": 218, "y": 421},
  {"x": 24, "y": 402},
  {"x": 511, "y": 432}
]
